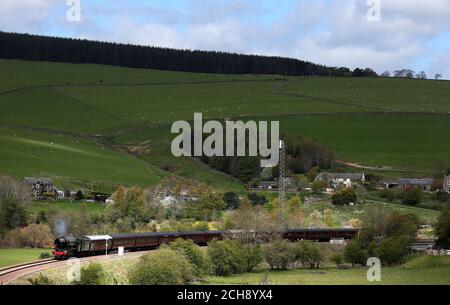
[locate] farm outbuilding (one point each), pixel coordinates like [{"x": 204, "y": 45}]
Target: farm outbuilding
[{"x": 423, "y": 184}]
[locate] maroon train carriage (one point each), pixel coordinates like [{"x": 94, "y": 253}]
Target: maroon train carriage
[
  {"x": 72, "y": 246},
  {"x": 320, "y": 235}
]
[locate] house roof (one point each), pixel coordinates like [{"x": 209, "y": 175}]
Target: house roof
[
  {"x": 268, "y": 183},
  {"x": 416, "y": 181},
  {"x": 351, "y": 176},
  {"x": 34, "y": 180},
  {"x": 99, "y": 237}
]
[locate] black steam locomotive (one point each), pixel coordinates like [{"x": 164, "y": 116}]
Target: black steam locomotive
[{"x": 79, "y": 246}]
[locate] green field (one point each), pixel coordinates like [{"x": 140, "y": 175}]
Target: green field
[
  {"x": 63, "y": 120},
  {"x": 422, "y": 270},
  {"x": 65, "y": 206},
  {"x": 9, "y": 257},
  {"x": 332, "y": 276}
]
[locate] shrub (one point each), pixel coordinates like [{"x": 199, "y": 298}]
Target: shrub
[
  {"x": 12, "y": 214},
  {"x": 337, "y": 259},
  {"x": 231, "y": 200},
  {"x": 228, "y": 257},
  {"x": 278, "y": 254},
  {"x": 392, "y": 250},
  {"x": 41, "y": 280},
  {"x": 45, "y": 255},
  {"x": 164, "y": 267},
  {"x": 411, "y": 196},
  {"x": 199, "y": 260},
  {"x": 307, "y": 253},
  {"x": 319, "y": 186},
  {"x": 253, "y": 256},
  {"x": 256, "y": 199},
  {"x": 36, "y": 236},
  {"x": 388, "y": 194},
  {"x": 344, "y": 197},
  {"x": 93, "y": 274},
  {"x": 202, "y": 226},
  {"x": 401, "y": 224},
  {"x": 354, "y": 253},
  {"x": 443, "y": 228}
]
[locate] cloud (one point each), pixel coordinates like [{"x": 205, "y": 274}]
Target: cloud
[
  {"x": 332, "y": 32},
  {"x": 26, "y": 15}
]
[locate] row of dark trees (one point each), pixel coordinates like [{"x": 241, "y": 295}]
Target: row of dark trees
[{"x": 43, "y": 48}]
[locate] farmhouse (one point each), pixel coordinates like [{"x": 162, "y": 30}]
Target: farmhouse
[
  {"x": 40, "y": 186},
  {"x": 423, "y": 184},
  {"x": 289, "y": 183},
  {"x": 447, "y": 184},
  {"x": 346, "y": 179}
]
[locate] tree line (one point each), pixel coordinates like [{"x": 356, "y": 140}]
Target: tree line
[{"x": 55, "y": 49}]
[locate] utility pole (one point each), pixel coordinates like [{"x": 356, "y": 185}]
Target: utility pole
[{"x": 281, "y": 186}]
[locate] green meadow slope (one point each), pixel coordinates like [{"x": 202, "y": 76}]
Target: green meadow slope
[{"x": 65, "y": 120}]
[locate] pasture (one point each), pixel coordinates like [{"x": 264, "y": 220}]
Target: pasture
[
  {"x": 9, "y": 257},
  {"x": 62, "y": 120}
]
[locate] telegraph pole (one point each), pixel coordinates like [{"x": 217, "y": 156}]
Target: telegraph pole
[{"x": 281, "y": 186}]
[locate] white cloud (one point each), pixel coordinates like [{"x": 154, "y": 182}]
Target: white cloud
[
  {"x": 25, "y": 15},
  {"x": 335, "y": 33}
]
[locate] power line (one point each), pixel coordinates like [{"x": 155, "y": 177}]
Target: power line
[{"x": 282, "y": 187}]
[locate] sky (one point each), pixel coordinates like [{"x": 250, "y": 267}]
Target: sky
[{"x": 380, "y": 34}]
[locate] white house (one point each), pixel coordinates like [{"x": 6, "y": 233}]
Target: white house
[
  {"x": 447, "y": 184},
  {"x": 345, "y": 179}
]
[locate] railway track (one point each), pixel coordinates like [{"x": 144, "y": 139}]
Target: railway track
[{"x": 12, "y": 273}]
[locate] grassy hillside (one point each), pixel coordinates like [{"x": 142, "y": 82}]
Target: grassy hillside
[
  {"x": 29, "y": 153},
  {"x": 50, "y": 113}
]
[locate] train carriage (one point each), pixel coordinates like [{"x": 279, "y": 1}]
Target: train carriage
[{"x": 72, "y": 246}]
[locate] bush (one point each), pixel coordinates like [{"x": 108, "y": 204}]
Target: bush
[
  {"x": 443, "y": 228},
  {"x": 45, "y": 255},
  {"x": 393, "y": 250},
  {"x": 201, "y": 226},
  {"x": 12, "y": 214},
  {"x": 388, "y": 194},
  {"x": 228, "y": 257},
  {"x": 344, "y": 197},
  {"x": 253, "y": 256},
  {"x": 319, "y": 186},
  {"x": 256, "y": 199},
  {"x": 411, "y": 196},
  {"x": 355, "y": 254},
  {"x": 278, "y": 254},
  {"x": 34, "y": 236},
  {"x": 93, "y": 274},
  {"x": 231, "y": 200},
  {"x": 442, "y": 196},
  {"x": 199, "y": 260},
  {"x": 401, "y": 224},
  {"x": 164, "y": 267},
  {"x": 337, "y": 259},
  {"x": 41, "y": 280},
  {"x": 307, "y": 253}
]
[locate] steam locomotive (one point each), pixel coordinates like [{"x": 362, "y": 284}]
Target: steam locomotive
[{"x": 80, "y": 246}]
